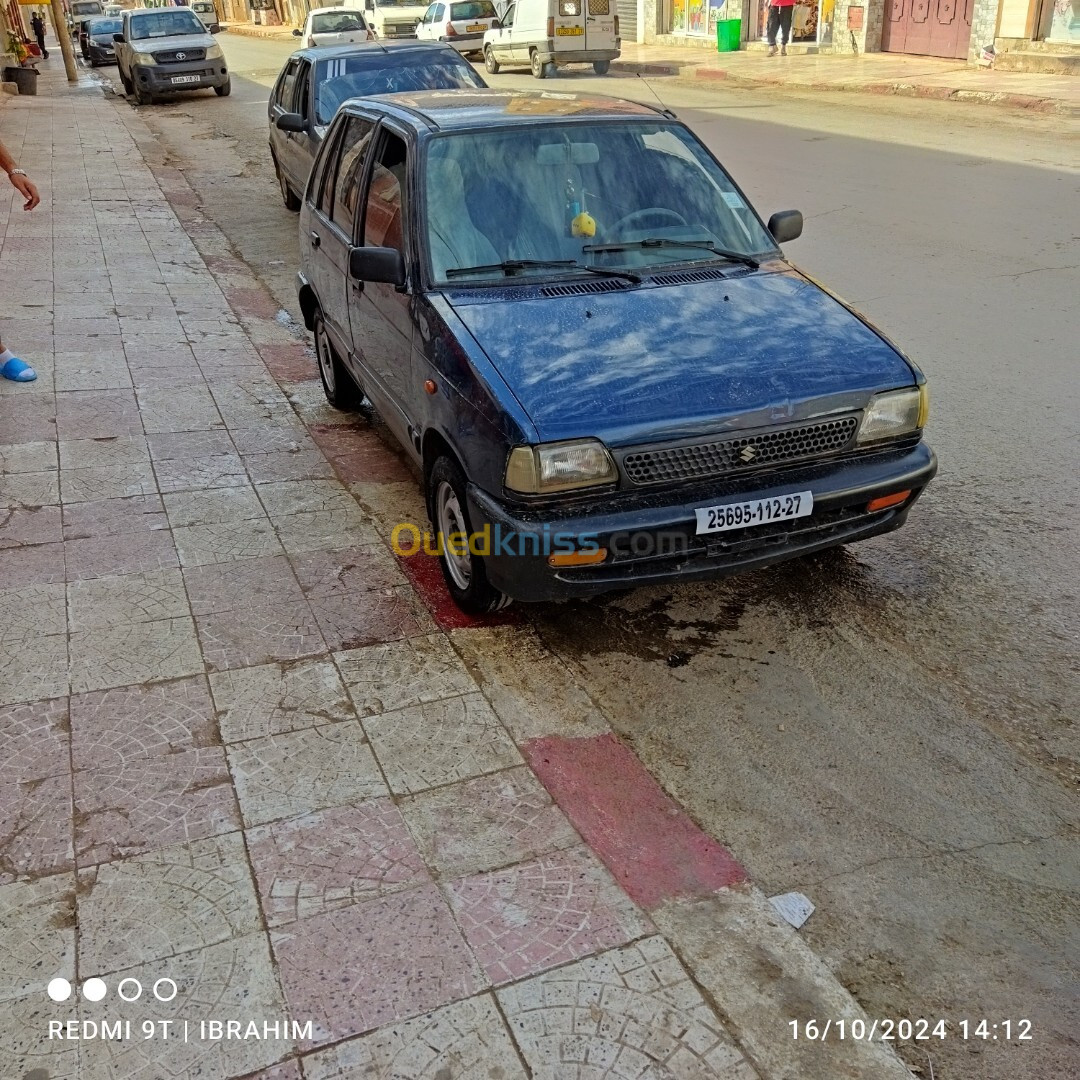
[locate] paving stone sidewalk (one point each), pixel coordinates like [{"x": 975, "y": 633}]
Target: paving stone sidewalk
[{"x": 245, "y": 749}]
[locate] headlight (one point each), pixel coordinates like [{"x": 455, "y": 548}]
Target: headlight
[
  {"x": 214, "y": 53},
  {"x": 897, "y": 412},
  {"x": 537, "y": 470},
  {"x": 143, "y": 59}
]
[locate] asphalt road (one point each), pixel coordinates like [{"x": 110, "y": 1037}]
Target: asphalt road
[{"x": 889, "y": 728}]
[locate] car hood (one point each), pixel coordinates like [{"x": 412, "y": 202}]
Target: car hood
[
  {"x": 169, "y": 44},
  {"x": 660, "y": 362}
]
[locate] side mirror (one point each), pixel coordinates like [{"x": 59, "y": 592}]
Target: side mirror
[
  {"x": 290, "y": 121},
  {"x": 495, "y": 25},
  {"x": 377, "y": 264},
  {"x": 786, "y": 225},
  {"x": 118, "y": 38},
  {"x": 369, "y": 5},
  {"x": 298, "y": 33}
]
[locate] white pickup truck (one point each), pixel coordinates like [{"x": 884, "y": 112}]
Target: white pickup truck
[{"x": 394, "y": 18}]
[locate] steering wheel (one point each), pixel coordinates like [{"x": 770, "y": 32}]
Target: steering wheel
[{"x": 639, "y": 218}]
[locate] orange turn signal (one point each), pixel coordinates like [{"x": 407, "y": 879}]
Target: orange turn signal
[
  {"x": 886, "y": 501},
  {"x": 578, "y": 558}
]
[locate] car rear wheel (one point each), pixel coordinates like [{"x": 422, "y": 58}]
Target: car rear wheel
[
  {"x": 338, "y": 385},
  {"x": 601, "y": 67},
  {"x": 464, "y": 572},
  {"x": 225, "y": 89},
  {"x": 491, "y": 65},
  {"x": 538, "y": 67},
  {"x": 291, "y": 200}
]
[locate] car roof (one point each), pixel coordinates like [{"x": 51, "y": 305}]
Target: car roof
[
  {"x": 456, "y": 109},
  {"x": 339, "y": 10},
  {"x": 332, "y": 52}
]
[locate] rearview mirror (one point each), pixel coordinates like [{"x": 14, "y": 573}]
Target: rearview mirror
[
  {"x": 298, "y": 33},
  {"x": 290, "y": 121},
  {"x": 786, "y": 225},
  {"x": 377, "y": 264}
]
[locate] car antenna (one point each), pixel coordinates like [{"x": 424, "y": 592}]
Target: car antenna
[{"x": 663, "y": 108}]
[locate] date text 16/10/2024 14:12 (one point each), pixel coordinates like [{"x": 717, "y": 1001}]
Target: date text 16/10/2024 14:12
[{"x": 906, "y": 1030}]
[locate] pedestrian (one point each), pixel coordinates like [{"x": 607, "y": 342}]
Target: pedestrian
[
  {"x": 11, "y": 367},
  {"x": 780, "y": 12},
  {"x": 37, "y": 24}
]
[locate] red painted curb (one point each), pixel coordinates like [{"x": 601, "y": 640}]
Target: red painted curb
[{"x": 639, "y": 832}]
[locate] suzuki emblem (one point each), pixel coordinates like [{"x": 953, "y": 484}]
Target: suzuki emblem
[{"x": 747, "y": 454}]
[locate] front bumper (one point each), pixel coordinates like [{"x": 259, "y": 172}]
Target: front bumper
[
  {"x": 100, "y": 54},
  {"x": 158, "y": 78},
  {"x": 651, "y": 537}
]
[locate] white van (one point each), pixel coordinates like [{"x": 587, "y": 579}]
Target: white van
[
  {"x": 542, "y": 34},
  {"x": 208, "y": 15}
]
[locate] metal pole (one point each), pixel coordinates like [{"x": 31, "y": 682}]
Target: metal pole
[{"x": 61, "y": 31}]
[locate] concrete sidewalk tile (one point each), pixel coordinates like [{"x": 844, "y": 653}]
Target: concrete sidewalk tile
[
  {"x": 189, "y": 445},
  {"x": 35, "y": 827},
  {"x": 326, "y": 530},
  {"x": 94, "y": 414},
  {"x": 225, "y": 541},
  {"x": 107, "y": 517},
  {"x": 538, "y": 915},
  {"x": 297, "y": 772},
  {"x": 28, "y": 457},
  {"x": 192, "y": 474},
  {"x": 272, "y": 699},
  {"x": 627, "y": 1012},
  {"x": 386, "y": 677},
  {"x": 41, "y": 564},
  {"x": 28, "y": 419},
  {"x": 287, "y": 1070},
  {"x": 290, "y": 497},
  {"x": 272, "y": 440},
  {"x": 232, "y": 980},
  {"x": 344, "y": 573},
  {"x": 288, "y": 465},
  {"x": 440, "y": 742},
  {"x": 145, "y": 596},
  {"x": 110, "y": 728},
  {"x": 241, "y": 584},
  {"x": 168, "y": 901},
  {"x": 91, "y": 453},
  {"x": 178, "y": 409},
  {"x": 151, "y": 802},
  {"x": 33, "y": 671},
  {"x": 116, "y": 552},
  {"x": 27, "y": 526},
  {"x": 35, "y": 740},
  {"x": 101, "y": 375},
  {"x": 29, "y": 1052},
  {"x": 384, "y": 960},
  {"x": 363, "y": 618},
  {"x": 247, "y": 636},
  {"x": 489, "y": 822},
  {"x": 332, "y": 858},
  {"x": 107, "y": 482},
  {"x": 134, "y": 653},
  {"x": 37, "y": 927},
  {"x": 392, "y": 504},
  {"x": 32, "y": 610},
  {"x": 467, "y": 1040},
  {"x": 210, "y": 506}
]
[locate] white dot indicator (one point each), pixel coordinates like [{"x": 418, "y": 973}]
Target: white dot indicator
[
  {"x": 94, "y": 989},
  {"x": 59, "y": 989}
]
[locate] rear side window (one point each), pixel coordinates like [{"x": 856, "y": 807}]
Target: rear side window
[
  {"x": 473, "y": 9},
  {"x": 287, "y": 86},
  {"x": 354, "y": 146}
]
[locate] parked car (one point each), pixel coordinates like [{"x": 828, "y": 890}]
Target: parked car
[
  {"x": 165, "y": 50},
  {"x": 334, "y": 26},
  {"x": 542, "y": 34},
  {"x": 593, "y": 348},
  {"x": 80, "y": 10},
  {"x": 394, "y": 19},
  {"x": 207, "y": 12},
  {"x": 100, "y": 47},
  {"x": 461, "y": 25},
  {"x": 314, "y": 83}
]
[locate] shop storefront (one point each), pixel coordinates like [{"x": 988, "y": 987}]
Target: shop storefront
[{"x": 811, "y": 23}]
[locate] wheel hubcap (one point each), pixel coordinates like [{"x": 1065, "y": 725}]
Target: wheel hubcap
[
  {"x": 326, "y": 365},
  {"x": 450, "y": 519}
]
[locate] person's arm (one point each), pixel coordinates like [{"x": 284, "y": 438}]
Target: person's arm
[{"x": 19, "y": 179}]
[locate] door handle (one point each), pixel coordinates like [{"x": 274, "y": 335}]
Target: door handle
[{"x": 316, "y": 239}]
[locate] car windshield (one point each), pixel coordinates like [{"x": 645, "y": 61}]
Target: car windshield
[
  {"x": 476, "y": 9},
  {"x": 648, "y": 193},
  {"x": 105, "y": 26},
  {"x": 378, "y": 72},
  {"x": 85, "y": 9},
  {"x": 165, "y": 24},
  {"x": 336, "y": 23}
]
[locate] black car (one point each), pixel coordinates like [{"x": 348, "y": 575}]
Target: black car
[
  {"x": 593, "y": 348},
  {"x": 97, "y": 42},
  {"x": 315, "y": 82}
]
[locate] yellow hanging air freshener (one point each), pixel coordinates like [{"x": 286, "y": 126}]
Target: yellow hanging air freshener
[{"x": 583, "y": 225}]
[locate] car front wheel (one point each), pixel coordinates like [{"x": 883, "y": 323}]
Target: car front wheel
[
  {"x": 225, "y": 89},
  {"x": 464, "y": 572},
  {"x": 338, "y": 385},
  {"x": 491, "y": 65}
]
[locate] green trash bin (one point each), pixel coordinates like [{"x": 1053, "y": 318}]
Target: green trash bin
[{"x": 728, "y": 34}]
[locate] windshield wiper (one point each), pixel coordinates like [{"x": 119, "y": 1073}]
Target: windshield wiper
[
  {"x": 666, "y": 241},
  {"x": 513, "y": 266}
]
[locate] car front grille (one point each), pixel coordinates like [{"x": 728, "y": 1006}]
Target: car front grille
[
  {"x": 400, "y": 30},
  {"x": 692, "y": 461},
  {"x": 179, "y": 56}
]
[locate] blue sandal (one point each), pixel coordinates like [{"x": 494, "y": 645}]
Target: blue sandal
[{"x": 18, "y": 371}]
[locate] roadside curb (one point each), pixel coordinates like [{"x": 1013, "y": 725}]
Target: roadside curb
[{"x": 251, "y": 30}]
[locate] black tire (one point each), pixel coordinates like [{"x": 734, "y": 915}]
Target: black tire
[
  {"x": 143, "y": 97},
  {"x": 601, "y": 67},
  {"x": 537, "y": 66},
  {"x": 465, "y": 576},
  {"x": 491, "y": 65},
  {"x": 338, "y": 385},
  {"x": 125, "y": 82},
  {"x": 225, "y": 89},
  {"x": 288, "y": 196}
]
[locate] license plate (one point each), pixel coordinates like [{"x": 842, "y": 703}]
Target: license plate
[
  {"x": 726, "y": 516},
  {"x": 186, "y": 78},
  {"x": 475, "y": 28},
  {"x": 569, "y": 31}
]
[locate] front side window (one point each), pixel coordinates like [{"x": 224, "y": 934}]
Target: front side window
[
  {"x": 376, "y": 72},
  {"x": 354, "y": 147},
  {"x": 165, "y": 24},
  {"x": 382, "y": 212},
  {"x": 508, "y": 19},
  {"x": 429, "y": 15},
  {"x": 303, "y": 90},
  {"x": 287, "y": 85},
  {"x": 648, "y": 191}
]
